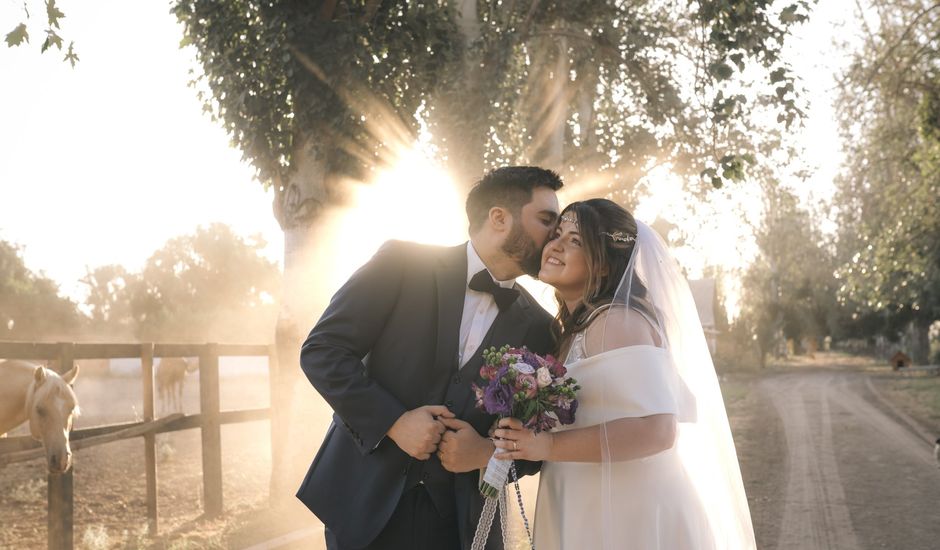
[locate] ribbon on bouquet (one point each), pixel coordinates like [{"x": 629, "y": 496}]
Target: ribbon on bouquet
[{"x": 493, "y": 488}]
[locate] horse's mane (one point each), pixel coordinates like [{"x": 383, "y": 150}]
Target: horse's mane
[{"x": 52, "y": 387}]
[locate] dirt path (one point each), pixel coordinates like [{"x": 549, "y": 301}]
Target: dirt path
[{"x": 853, "y": 475}]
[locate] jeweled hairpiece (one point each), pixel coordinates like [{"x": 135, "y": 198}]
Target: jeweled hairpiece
[
  {"x": 570, "y": 219},
  {"x": 620, "y": 236}
]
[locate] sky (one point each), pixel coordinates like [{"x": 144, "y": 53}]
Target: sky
[{"x": 105, "y": 162}]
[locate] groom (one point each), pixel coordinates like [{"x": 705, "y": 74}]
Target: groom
[{"x": 395, "y": 354}]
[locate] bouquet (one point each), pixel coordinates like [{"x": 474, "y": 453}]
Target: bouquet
[{"x": 520, "y": 384}]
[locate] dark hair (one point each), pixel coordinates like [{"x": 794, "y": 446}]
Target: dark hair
[
  {"x": 509, "y": 187},
  {"x": 607, "y": 260}
]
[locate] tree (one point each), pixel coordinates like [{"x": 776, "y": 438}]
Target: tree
[
  {"x": 109, "y": 298},
  {"x": 789, "y": 291},
  {"x": 30, "y": 305},
  {"x": 315, "y": 94},
  {"x": 888, "y": 189},
  {"x": 209, "y": 286}
]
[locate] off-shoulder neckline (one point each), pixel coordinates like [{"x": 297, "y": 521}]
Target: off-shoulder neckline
[{"x": 615, "y": 351}]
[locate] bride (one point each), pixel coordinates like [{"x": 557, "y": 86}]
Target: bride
[{"x": 649, "y": 462}]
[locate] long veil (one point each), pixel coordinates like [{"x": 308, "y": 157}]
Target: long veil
[{"x": 654, "y": 287}]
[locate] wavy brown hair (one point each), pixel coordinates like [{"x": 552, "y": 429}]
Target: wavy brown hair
[{"x": 607, "y": 260}]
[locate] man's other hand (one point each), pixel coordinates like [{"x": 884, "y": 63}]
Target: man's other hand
[
  {"x": 418, "y": 431},
  {"x": 462, "y": 449}
]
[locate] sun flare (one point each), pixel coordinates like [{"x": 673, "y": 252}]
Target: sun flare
[{"x": 414, "y": 200}]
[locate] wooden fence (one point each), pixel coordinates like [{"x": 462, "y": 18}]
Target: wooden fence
[{"x": 209, "y": 421}]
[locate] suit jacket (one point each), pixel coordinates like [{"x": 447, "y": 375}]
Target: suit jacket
[{"x": 386, "y": 344}]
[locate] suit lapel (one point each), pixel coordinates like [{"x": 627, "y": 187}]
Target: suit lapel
[{"x": 451, "y": 291}]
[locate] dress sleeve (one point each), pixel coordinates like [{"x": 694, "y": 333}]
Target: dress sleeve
[{"x": 642, "y": 384}]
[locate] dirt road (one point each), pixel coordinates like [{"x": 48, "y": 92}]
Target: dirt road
[{"x": 852, "y": 475}]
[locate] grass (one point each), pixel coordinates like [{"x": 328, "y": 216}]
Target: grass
[
  {"x": 918, "y": 396},
  {"x": 29, "y": 491},
  {"x": 95, "y": 537},
  {"x": 734, "y": 389}
]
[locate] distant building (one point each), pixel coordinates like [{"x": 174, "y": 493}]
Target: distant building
[
  {"x": 703, "y": 292},
  {"x": 900, "y": 361}
]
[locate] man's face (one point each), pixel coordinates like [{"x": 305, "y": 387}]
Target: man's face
[{"x": 531, "y": 231}]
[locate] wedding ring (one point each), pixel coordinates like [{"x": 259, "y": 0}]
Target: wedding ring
[{"x": 515, "y": 445}]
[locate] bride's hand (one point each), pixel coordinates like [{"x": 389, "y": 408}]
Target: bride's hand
[{"x": 521, "y": 443}]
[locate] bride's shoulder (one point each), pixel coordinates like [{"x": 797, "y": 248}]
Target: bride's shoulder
[{"x": 619, "y": 327}]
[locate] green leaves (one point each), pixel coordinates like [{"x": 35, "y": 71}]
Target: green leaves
[
  {"x": 275, "y": 74},
  {"x": 732, "y": 167},
  {"x": 889, "y": 223},
  {"x": 17, "y": 36},
  {"x": 790, "y": 14},
  {"x": 70, "y": 55},
  {"x": 721, "y": 70},
  {"x": 52, "y": 39},
  {"x": 54, "y": 15}
]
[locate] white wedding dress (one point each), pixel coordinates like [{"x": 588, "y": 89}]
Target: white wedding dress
[{"x": 653, "y": 504}]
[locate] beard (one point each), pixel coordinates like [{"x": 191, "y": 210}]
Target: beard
[{"x": 524, "y": 250}]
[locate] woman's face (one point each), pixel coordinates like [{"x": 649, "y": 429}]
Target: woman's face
[{"x": 564, "y": 264}]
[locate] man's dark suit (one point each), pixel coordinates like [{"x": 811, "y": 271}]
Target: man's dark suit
[{"x": 387, "y": 344}]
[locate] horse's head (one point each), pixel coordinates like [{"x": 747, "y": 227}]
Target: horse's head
[{"x": 50, "y": 405}]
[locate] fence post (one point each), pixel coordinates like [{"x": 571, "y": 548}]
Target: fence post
[
  {"x": 59, "y": 486},
  {"x": 276, "y": 481},
  {"x": 60, "y": 511},
  {"x": 150, "y": 438},
  {"x": 211, "y": 430}
]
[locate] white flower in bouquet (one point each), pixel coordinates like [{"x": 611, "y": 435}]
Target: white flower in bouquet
[{"x": 543, "y": 377}]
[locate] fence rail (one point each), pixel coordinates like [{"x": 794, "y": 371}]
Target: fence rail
[
  {"x": 911, "y": 371},
  {"x": 209, "y": 420}
]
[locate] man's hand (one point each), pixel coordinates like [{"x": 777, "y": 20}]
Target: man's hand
[
  {"x": 462, "y": 449},
  {"x": 418, "y": 431}
]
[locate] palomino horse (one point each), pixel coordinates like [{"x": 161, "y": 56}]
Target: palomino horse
[
  {"x": 169, "y": 377},
  {"x": 34, "y": 393}
]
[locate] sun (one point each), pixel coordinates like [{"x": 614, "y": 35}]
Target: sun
[{"x": 414, "y": 200}]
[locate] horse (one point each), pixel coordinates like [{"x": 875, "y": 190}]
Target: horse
[
  {"x": 170, "y": 376},
  {"x": 44, "y": 398}
]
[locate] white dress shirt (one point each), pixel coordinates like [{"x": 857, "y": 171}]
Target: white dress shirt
[{"x": 479, "y": 309}]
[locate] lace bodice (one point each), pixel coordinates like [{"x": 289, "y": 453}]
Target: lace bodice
[{"x": 577, "y": 352}]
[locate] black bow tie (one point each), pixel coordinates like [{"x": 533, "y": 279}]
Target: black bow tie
[{"x": 483, "y": 282}]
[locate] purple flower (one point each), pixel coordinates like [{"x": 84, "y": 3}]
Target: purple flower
[
  {"x": 497, "y": 398},
  {"x": 566, "y": 414}
]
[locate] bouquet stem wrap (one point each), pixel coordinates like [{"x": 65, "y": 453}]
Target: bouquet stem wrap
[{"x": 493, "y": 478}]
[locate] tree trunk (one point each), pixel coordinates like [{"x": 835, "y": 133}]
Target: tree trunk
[
  {"x": 460, "y": 113},
  {"x": 919, "y": 332},
  {"x": 559, "y": 110},
  {"x": 298, "y": 206},
  {"x": 549, "y": 125}
]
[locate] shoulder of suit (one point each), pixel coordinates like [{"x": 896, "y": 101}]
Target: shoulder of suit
[
  {"x": 416, "y": 253},
  {"x": 409, "y": 247}
]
